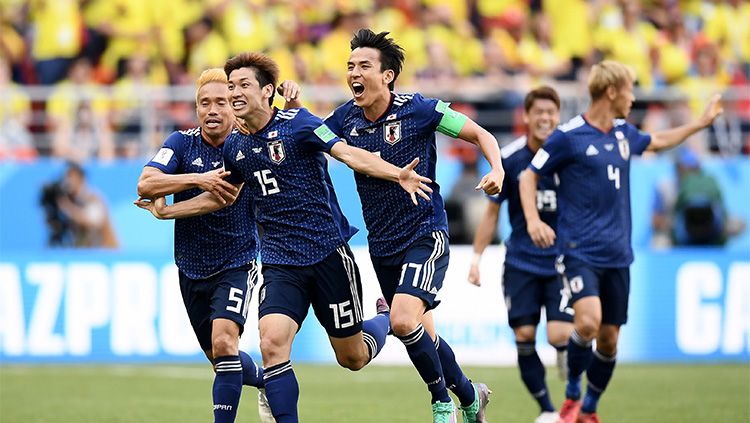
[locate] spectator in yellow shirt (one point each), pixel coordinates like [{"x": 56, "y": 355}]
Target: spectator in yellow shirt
[
  {"x": 78, "y": 113},
  {"x": 57, "y": 37},
  {"x": 15, "y": 117},
  {"x": 207, "y": 48}
]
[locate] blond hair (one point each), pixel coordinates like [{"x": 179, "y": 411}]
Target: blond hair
[
  {"x": 207, "y": 76},
  {"x": 608, "y": 73}
]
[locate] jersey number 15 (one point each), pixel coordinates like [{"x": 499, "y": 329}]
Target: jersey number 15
[{"x": 267, "y": 182}]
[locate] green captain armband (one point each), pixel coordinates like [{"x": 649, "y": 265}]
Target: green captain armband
[
  {"x": 325, "y": 134},
  {"x": 452, "y": 121}
]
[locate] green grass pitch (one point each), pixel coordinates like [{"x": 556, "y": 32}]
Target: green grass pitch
[{"x": 167, "y": 393}]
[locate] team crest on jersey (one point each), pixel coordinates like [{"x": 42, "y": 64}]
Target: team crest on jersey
[
  {"x": 624, "y": 146},
  {"x": 392, "y": 132},
  {"x": 276, "y": 151}
]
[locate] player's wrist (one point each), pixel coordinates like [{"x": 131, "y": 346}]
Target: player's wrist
[{"x": 476, "y": 258}]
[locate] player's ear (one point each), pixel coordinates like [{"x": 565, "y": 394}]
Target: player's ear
[
  {"x": 267, "y": 91},
  {"x": 611, "y": 92},
  {"x": 388, "y": 76}
]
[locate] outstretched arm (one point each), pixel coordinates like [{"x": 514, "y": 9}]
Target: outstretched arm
[
  {"x": 155, "y": 183},
  {"x": 492, "y": 182},
  {"x": 673, "y": 137},
  {"x": 367, "y": 163},
  {"x": 542, "y": 235},
  {"x": 482, "y": 238},
  {"x": 197, "y": 206}
]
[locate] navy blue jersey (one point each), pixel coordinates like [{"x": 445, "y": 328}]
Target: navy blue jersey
[
  {"x": 284, "y": 169},
  {"x": 406, "y": 130},
  {"x": 521, "y": 252},
  {"x": 225, "y": 239},
  {"x": 594, "y": 193}
]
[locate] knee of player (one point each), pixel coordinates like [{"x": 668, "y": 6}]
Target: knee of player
[
  {"x": 271, "y": 345},
  {"x": 352, "y": 362},
  {"x": 525, "y": 333},
  {"x": 588, "y": 326},
  {"x": 224, "y": 344},
  {"x": 403, "y": 324}
]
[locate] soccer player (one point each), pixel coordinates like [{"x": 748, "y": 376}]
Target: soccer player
[
  {"x": 409, "y": 245},
  {"x": 591, "y": 155},
  {"x": 306, "y": 258},
  {"x": 530, "y": 282},
  {"x": 215, "y": 253}
]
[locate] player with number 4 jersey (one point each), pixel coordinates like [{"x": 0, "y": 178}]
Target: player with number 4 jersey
[{"x": 591, "y": 154}]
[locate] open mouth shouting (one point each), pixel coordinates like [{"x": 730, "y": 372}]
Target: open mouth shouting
[{"x": 357, "y": 89}]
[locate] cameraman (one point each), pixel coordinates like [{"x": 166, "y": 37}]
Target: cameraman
[{"x": 76, "y": 216}]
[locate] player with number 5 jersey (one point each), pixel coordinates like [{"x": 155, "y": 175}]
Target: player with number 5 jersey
[{"x": 591, "y": 154}]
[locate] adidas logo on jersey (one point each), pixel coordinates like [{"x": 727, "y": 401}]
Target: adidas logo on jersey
[
  {"x": 198, "y": 162},
  {"x": 239, "y": 156},
  {"x": 354, "y": 133},
  {"x": 591, "y": 151}
]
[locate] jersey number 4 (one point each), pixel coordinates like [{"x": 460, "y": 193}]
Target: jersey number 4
[
  {"x": 267, "y": 182},
  {"x": 613, "y": 174}
]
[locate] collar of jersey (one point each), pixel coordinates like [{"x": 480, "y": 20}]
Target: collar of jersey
[{"x": 385, "y": 112}]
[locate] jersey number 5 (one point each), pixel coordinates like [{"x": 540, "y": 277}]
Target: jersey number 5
[
  {"x": 267, "y": 182},
  {"x": 613, "y": 174}
]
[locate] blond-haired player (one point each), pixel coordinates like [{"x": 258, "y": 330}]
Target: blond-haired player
[
  {"x": 591, "y": 155},
  {"x": 215, "y": 254}
]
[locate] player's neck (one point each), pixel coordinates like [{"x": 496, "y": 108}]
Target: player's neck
[
  {"x": 600, "y": 115},
  {"x": 378, "y": 107},
  {"x": 216, "y": 140},
  {"x": 533, "y": 143},
  {"x": 258, "y": 119}
]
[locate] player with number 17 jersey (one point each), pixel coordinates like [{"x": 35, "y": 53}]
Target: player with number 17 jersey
[{"x": 406, "y": 130}]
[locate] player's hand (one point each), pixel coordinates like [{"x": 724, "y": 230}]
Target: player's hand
[
  {"x": 414, "y": 183},
  {"x": 474, "y": 275},
  {"x": 542, "y": 235},
  {"x": 156, "y": 206},
  {"x": 215, "y": 183},
  {"x": 492, "y": 182},
  {"x": 713, "y": 109},
  {"x": 289, "y": 89}
]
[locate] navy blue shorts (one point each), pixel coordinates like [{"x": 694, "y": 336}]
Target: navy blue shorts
[
  {"x": 526, "y": 293},
  {"x": 225, "y": 295},
  {"x": 332, "y": 286},
  {"x": 418, "y": 271},
  {"x": 611, "y": 285}
]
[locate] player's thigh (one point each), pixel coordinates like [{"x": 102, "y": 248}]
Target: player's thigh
[
  {"x": 615, "y": 290},
  {"x": 606, "y": 340},
  {"x": 285, "y": 291},
  {"x": 197, "y": 300},
  {"x": 388, "y": 272},
  {"x": 525, "y": 333},
  {"x": 225, "y": 337},
  {"x": 523, "y": 294},
  {"x": 581, "y": 284},
  {"x": 423, "y": 269},
  {"x": 232, "y": 290},
  {"x": 336, "y": 294},
  {"x": 558, "y": 332},
  {"x": 351, "y": 351}
]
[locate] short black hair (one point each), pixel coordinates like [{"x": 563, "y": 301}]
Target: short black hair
[
  {"x": 391, "y": 54},
  {"x": 266, "y": 70},
  {"x": 542, "y": 93}
]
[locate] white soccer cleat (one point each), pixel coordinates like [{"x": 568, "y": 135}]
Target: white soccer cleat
[
  {"x": 264, "y": 409},
  {"x": 547, "y": 417}
]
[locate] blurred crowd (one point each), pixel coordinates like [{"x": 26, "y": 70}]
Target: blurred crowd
[{"x": 101, "y": 59}]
